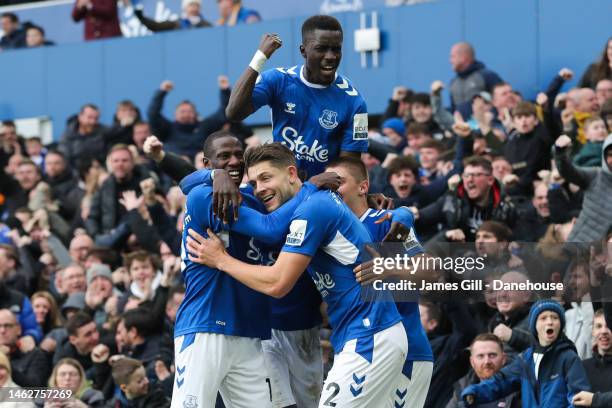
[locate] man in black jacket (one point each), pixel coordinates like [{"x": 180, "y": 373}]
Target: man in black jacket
[
  {"x": 30, "y": 369},
  {"x": 84, "y": 137},
  {"x": 185, "y": 135},
  {"x": 136, "y": 391},
  {"x": 108, "y": 222},
  {"x": 528, "y": 147},
  {"x": 478, "y": 198},
  {"x": 64, "y": 185}
]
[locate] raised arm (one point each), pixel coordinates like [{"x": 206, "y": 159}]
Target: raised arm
[
  {"x": 240, "y": 102},
  {"x": 580, "y": 176}
]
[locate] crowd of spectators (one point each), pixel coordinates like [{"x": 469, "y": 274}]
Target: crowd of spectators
[
  {"x": 101, "y": 20},
  {"x": 90, "y": 231}
]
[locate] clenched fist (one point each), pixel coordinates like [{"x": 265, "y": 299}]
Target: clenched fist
[
  {"x": 270, "y": 43},
  {"x": 166, "y": 86},
  {"x": 563, "y": 141}
]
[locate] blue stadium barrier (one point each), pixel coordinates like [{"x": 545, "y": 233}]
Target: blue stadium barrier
[{"x": 525, "y": 41}]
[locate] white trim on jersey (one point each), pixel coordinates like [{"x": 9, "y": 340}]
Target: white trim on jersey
[
  {"x": 342, "y": 249},
  {"x": 310, "y": 84}
]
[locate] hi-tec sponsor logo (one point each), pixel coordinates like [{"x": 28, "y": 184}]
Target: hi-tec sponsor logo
[
  {"x": 360, "y": 126},
  {"x": 295, "y": 142},
  {"x": 297, "y": 232}
]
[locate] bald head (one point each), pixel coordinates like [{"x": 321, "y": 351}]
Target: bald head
[
  {"x": 461, "y": 56},
  {"x": 509, "y": 301},
  {"x": 586, "y": 101},
  {"x": 79, "y": 246}
]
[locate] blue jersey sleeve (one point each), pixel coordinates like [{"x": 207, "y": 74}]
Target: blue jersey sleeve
[
  {"x": 265, "y": 88},
  {"x": 27, "y": 320},
  {"x": 202, "y": 176},
  {"x": 308, "y": 229},
  {"x": 355, "y": 138},
  {"x": 405, "y": 217},
  {"x": 270, "y": 228}
]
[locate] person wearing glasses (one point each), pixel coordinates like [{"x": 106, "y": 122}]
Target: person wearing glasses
[
  {"x": 29, "y": 369},
  {"x": 473, "y": 198}
]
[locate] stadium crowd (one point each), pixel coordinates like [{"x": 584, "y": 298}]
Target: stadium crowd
[
  {"x": 91, "y": 229},
  {"x": 101, "y": 20}
]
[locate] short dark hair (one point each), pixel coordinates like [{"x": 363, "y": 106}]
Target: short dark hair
[
  {"x": 403, "y": 163},
  {"x": 8, "y": 123},
  {"x": 76, "y": 321},
  {"x": 354, "y": 166},
  {"x": 498, "y": 85},
  {"x": 37, "y": 28},
  {"x": 421, "y": 98},
  {"x": 433, "y": 311},
  {"x": 29, "y": 162},
  {"x": 91, "y": 106},
  {"x": 276, "y": 153},
  {"x": 418, "y": 128},
  {"x": 524, "y": 108},
  {"x": 11, "y": 16},
  {"x": 501, "y": 231},
  {"x": 139, "y": 318},
  {"x": 124, "y": 368},
  {"x": 488, "y": 337},
  {"x": 478, "y": 161},
  {"x": 141, "y": 256},
  {"x": 319, "y": 22},
  {"x": 11, "y": 252},
  {"x": 207, "y": 148},
  {"x": 433, "y": 144}
]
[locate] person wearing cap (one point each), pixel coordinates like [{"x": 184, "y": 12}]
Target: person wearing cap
[
  {"x": 190, "y": 18},
  {"x": 548, "y": 374},
  {"x": 99, "y": 289},
  {"x": 6, "y": 381}
]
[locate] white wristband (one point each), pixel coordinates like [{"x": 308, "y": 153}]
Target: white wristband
[{"x": 258, "y": 61}]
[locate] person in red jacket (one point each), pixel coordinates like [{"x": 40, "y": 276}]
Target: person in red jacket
[{"x": 101, "y": 18}]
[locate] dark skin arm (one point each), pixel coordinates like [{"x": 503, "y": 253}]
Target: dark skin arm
[{"x": 240, "y": 105}]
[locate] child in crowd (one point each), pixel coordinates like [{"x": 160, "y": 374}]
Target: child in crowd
[{"x": 548, "y": 374}]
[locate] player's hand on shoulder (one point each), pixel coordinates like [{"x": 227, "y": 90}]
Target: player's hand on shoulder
[
  {"x": 269, "y": 43},
  {"x": 328, "y": 180},
  {"x": 380, "y": 202}
]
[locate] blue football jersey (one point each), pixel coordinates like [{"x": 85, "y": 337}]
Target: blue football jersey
[
  {"x": 214, "y": 301},
  {"x": 299, "y": 309},
  {"x": 334, "y": 239},
  {"x": 316, "y": 122},
  {"x": 419, "y": 348}
]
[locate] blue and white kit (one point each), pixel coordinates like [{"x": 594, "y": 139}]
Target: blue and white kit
[
  {"x": 316, "y": 122},
  {"x": 418, "y": 368}
]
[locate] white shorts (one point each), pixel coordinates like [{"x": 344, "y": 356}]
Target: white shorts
[
  {"x": 295, "y": 366},
  {"x": 355, "y": 382},
  {"x": 207, "y": 363},
  {"x": 411, "y": 392}
]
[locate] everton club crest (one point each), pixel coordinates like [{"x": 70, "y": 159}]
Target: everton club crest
[{"x": 328, "y": 119}]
